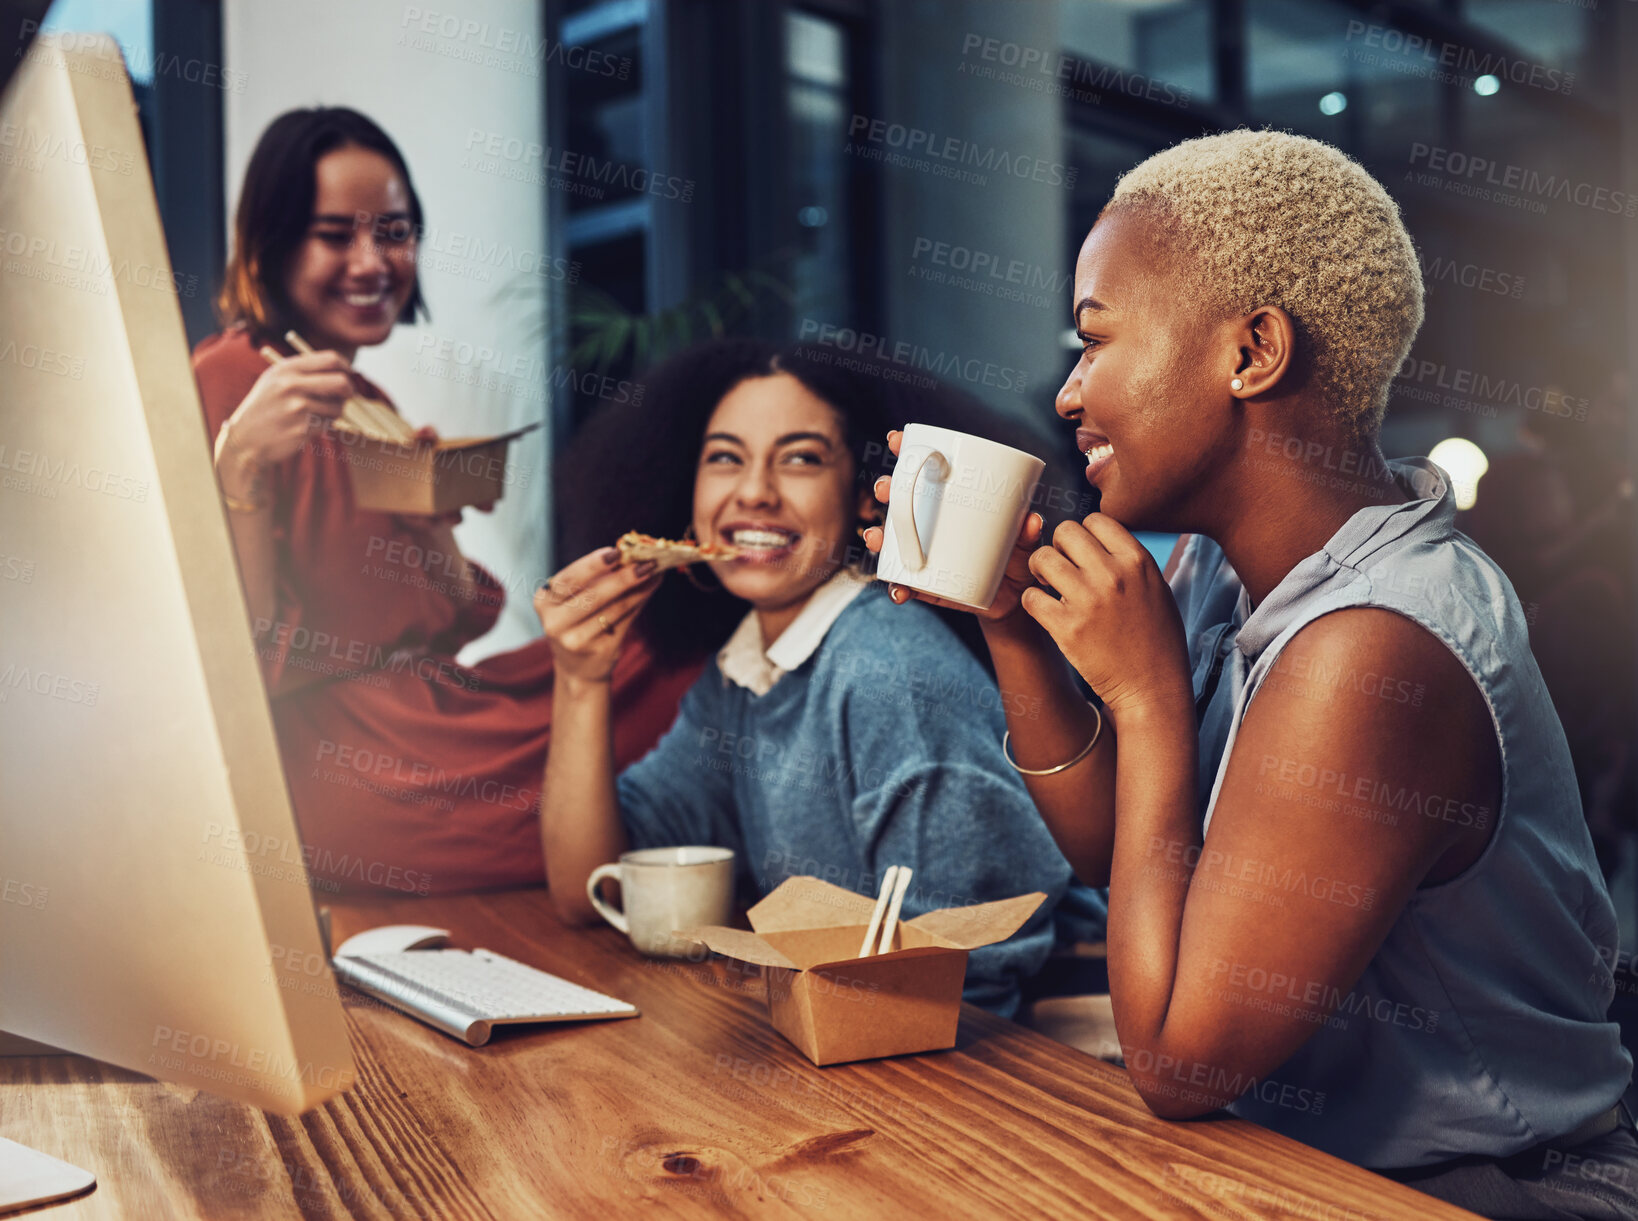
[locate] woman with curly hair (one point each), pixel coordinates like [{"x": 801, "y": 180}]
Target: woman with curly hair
[
  {"x": 832, "y": 734},
  {"x": 1351, "y": 892}
]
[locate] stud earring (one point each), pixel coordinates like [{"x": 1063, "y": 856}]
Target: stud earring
[{"x": 1237, "y": 384}]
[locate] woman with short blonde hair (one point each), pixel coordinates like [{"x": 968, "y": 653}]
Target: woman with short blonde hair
[{"x": 1352, "y": 894}]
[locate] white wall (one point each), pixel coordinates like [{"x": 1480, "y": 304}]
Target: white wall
[{"x": 432, "y": 82}]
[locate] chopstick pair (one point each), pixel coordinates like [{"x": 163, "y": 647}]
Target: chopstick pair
[
  {"x": 894, "y": 883},
  {"x": 374, "y": 420}
]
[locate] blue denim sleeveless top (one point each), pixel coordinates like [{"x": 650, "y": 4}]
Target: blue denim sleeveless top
[{"x": 1480, "y": 1025}]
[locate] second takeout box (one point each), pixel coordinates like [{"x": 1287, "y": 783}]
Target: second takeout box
[{"x": 836, "y": 1006}]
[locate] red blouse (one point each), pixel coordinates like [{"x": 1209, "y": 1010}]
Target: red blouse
[{"x": 408, "y": 771}]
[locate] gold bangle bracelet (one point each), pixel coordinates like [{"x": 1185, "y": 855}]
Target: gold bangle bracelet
[
  {"x": 1006, "y": 750},
  {"x": 245, "y": 506}
]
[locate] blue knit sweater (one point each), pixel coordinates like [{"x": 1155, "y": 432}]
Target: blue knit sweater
[{"x": 883, "y": 748}]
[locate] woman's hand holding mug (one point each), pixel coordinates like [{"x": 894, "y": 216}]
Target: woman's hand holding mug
[
  {"x": 1016, "y": 579},
  {"x": 587, "y": 609}
]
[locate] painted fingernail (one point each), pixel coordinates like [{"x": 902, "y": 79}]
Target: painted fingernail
[
  {"x": 611, "y": 555},
  {"x": 646, "y": 567}
]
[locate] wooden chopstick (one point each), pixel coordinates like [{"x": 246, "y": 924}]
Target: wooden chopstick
[
  {"x": 361, "y": 414},
  {"x": 351, "y": 418},
  {"x": 900, "y": 885},
  {"x": 367, "y": 416},
  {"x": 876, "y": 916},
  {"x": 353, "y": 413}
]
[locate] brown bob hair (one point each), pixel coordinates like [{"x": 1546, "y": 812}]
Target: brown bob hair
[{"x": 276, "y": 206}]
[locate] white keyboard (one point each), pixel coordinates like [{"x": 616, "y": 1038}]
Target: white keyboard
[{"x": 466, "y": 994}]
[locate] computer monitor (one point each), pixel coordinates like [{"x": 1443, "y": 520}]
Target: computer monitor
[{"x": 155, "y": 912}]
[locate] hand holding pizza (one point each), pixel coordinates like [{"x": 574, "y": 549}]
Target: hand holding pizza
[{"x": 587, "y": 608}]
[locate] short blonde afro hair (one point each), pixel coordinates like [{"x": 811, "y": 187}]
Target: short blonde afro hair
[{"x": 1277, "y": 219}]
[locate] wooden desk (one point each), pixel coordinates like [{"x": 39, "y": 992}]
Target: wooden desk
[{"x": 697, "y": 1106}]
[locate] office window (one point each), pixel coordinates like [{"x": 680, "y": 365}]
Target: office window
[
  {"x": 1558, "y": 47},
  {"x": 1164, "y": 40},
  {"x": 1301, "y": 71},
  {"x": 604, "y": 119},
  {"x": 817, "y": 98},
  {"x": 601, "y": 221},
  {"x": 1326, "y": 71},
  {"x": 173, "y": 55},
  {"x": 1553, "y": 35},
  {"x": 130, "y": 22}
]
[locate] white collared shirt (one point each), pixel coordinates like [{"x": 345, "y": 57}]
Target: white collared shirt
[{"x": 743, "y": 660}]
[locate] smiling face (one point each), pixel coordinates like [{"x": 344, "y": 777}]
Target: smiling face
[
  {"x": 1149, "y": 394},
  {"x": 775, "y": 478},
  {"x": 351, "y": 276}
]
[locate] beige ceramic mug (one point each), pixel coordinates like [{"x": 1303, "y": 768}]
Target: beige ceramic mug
[
  {"x": 666, "y": 889},
  {"x": 953, "y": 516}
]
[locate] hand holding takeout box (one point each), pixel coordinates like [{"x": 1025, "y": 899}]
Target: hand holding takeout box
[{"x": 395, "y": 469}]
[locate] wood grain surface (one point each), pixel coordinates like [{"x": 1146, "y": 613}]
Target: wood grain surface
[{"x": 695, "y": 1109}]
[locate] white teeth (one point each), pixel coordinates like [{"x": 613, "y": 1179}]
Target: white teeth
[
  {"x": 766, "y": 539},
  {"x": 363, "y": 299},
  {"x": 1099, "y": 452}
]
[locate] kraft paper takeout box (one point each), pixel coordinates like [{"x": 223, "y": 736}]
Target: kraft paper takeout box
[
  {"x": 836, "y": 1006},
  {"x": 428, "y": 478}
]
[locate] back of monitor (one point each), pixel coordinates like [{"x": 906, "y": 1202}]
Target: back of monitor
[{"x": 154, "y": 908}]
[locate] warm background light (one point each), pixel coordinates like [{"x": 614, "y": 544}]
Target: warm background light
[{"x": 1465, "y": 463}]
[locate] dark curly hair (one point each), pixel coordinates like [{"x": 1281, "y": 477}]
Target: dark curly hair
[{"x": 631, "y": 467}]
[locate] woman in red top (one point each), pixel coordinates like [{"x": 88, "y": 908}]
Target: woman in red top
[{"x": 408, "y": 771}]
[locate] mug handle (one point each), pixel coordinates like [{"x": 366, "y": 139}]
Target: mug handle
[
  {"x": 902, "y": 514},
  {"x": 616, "y": 918}
]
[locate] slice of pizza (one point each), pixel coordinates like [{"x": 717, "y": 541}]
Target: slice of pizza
[{"x": 667, "y": 553}]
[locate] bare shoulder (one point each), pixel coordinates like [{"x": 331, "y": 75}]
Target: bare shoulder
[
  {"x": 1388, "y": 710},
  {"x": 1377, "y": 646}
]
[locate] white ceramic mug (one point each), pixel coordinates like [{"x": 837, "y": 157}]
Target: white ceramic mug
[
  {"x": 665, "y": 889},
  {"x": 954, "y": 512}
]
